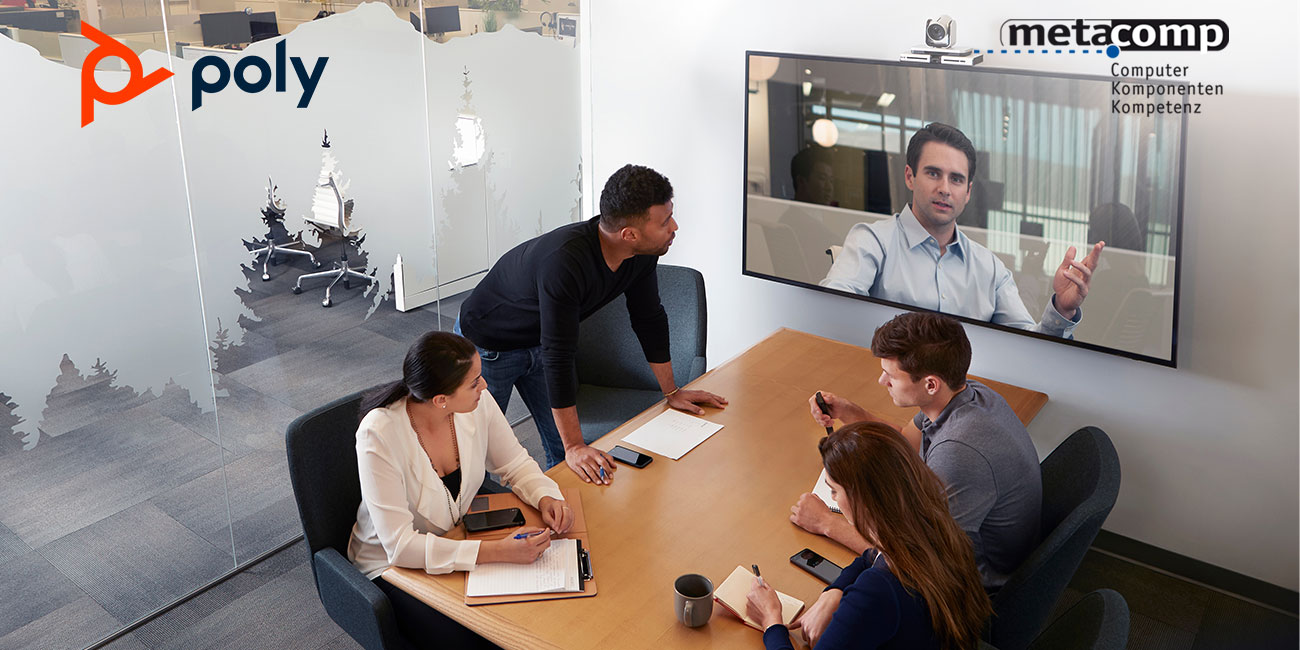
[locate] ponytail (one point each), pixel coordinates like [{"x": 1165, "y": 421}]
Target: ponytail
[
  {"x": 435, "y": 365},
  {"x": 383, "y": 395}
]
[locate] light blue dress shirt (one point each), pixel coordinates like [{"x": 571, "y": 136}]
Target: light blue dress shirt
[{"x": 897, "y": 260}]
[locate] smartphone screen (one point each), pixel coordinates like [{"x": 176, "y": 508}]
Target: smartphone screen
[
  {"x": 501, "y": 518},
  {"x": 824, "y": 569},
  {"x": 633, "y": 458},
  {"x": 493, "y": 519}
]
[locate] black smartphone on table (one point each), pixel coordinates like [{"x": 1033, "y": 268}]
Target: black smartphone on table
[
  {"x": 824, "y": 569},
  {"x": 477, "y": 522},
  {"x": 627, "y": 456}
]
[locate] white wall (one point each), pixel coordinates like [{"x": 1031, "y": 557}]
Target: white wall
[{"x": 1209, "y": 450}]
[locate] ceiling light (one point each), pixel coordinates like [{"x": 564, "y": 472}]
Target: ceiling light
[
  {"x": 885, "y": 100},
  {"x": 825, "y": 133}
]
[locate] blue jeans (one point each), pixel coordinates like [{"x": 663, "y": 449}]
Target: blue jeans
[{"x": 523, "y": 370}]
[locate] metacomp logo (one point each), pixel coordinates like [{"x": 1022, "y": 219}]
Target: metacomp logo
[
  {"x": 138, "y": 83},
  {"x": 1118, "y": 34}
]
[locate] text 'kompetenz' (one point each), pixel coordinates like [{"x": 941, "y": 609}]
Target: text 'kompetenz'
[{"x": 1128, "y": 34}]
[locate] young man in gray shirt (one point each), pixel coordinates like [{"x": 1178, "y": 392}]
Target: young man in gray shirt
[{"x": 965, "y": 432}]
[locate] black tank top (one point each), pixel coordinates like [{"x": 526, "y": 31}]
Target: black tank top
[{"x": 452, "y": 481}]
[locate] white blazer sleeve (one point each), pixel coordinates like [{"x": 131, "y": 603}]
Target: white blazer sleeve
[
  {"x": 384, "y": 493},
  {"x": 509, "y": 460}
]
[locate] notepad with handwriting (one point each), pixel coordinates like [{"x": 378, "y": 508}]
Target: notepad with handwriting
[
  {"x": 672, "y": 434},
  {"x": 733, "y": 594},
  {"x": 556, "y": 571},
  {"x": 823, "y": 491}
]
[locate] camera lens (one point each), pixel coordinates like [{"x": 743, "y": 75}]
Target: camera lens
[{"x": 935, "y": 31}]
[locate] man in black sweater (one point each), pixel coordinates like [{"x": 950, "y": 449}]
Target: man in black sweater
[{"x": 524, "y": 315}]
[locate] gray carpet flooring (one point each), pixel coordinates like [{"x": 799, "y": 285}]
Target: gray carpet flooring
[{"x": 130, "y": 501}]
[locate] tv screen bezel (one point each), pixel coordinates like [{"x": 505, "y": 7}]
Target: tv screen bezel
[{"x": 1171, "y": 362}]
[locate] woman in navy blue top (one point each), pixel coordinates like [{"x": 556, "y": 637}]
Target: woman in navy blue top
[{"x": 917, "y": 587}]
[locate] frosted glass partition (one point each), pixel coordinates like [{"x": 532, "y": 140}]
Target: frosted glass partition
[
  {"x": 344, "y": 176},
  {"x": 505, "y": 146},
  {"x": 165, "y": 325},
  {"x": 111, "y": 477}
]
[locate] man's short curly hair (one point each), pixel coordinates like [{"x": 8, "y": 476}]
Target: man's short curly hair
[
  {"x": 628, "y": 195},
  {"x": 925, "y": 343}
]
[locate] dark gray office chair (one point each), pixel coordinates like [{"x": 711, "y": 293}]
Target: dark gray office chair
[
  {"x": 323, "y": 471},
  {"x": 1080, "y": 484},
  {"x": 614, "y": 380},
  {"x": 1099, "y": 621}
]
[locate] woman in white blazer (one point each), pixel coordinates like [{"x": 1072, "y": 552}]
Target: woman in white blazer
[{"x": 422, "y": 448}]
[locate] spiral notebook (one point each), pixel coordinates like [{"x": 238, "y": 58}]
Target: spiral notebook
[{"x": 823, "y": 491}]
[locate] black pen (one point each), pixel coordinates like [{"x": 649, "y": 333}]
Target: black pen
[
  {"x": 758, "y": 575},
  {"x": 825, "y": 409}
]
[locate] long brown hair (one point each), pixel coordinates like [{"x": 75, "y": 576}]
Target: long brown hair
[{"x": 898, "y": 505}]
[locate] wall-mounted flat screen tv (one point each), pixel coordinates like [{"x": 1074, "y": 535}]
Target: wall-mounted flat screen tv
[{"x": 832, "y": 203}]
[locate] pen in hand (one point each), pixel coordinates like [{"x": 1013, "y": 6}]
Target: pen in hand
[
  {"x": 825, "y": 409},
  {"x": 527, "y": 535},
  {"x": 758, "y": 575}
]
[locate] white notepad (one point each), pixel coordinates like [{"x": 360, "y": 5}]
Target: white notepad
[
  {"x": 672, "y": 434},
  {"x": 733, "y": 594},
  {"x": 823, "y": 491},
  {"x": 556, "y": 571}
]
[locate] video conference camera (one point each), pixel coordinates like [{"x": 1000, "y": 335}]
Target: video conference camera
[
  {"x": 941, "y": 32},
  {"x": 941, "y": 45}
]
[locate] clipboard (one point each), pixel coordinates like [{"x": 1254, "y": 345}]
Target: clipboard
[{"x": 586, "y": 579}]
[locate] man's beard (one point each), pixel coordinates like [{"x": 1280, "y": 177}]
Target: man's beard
[{"x": 657, "y": 252}]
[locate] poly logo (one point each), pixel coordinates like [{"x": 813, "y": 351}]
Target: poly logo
[
  {"x": 90, "y": 90},
  {"x": 138, "y": 83}
]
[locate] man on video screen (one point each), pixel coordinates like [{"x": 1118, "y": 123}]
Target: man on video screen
[{"x": 920, "y": 258}]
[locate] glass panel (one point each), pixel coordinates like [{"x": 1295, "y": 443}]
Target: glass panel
[
  {"x": 519, "y": 85},
  {"x": 520, "y": 92},
  {"x": 305, "y": 195},
  {"x": 106, "y": 397},
  {"x": 141, "y": 304}
]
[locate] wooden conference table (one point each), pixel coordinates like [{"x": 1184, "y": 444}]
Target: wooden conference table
[{"x": 726, "y": 503}]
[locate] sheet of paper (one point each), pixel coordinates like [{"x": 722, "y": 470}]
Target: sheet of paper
[
  {"x": 672, "y": 434},
  {"x": 733, "y": 593},
  {"x": 555, "y": 571},
  {"x": 823, "y": 490}
]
